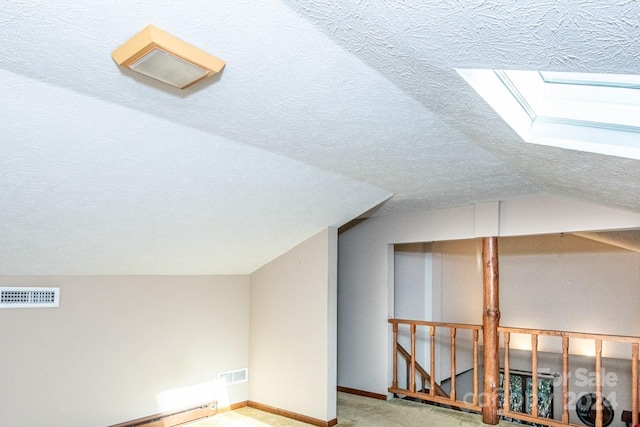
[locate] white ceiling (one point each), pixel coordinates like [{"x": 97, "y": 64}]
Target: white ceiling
[{"x": 324, "y": 110}]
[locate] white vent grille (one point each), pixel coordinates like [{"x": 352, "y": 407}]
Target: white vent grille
[
  {"x": 29, "y": 297},
  {"x": 237, "y": 376}
]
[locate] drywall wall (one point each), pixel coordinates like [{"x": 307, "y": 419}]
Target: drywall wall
[
  {"x": 120, "y": 348},
  {"x": 542, "y": 279},
  {"x": 293, "y": 329},
  {"x": 412, "y": 294},
  {"x": 450, "y": 286},
  {"x": 565, "y": 282},
  {"x": 461, "y": 300},
  {"x": 461, "y": 280},
  {"x": 364, "y": 292},
  {"x": 412, "y": 280},
  {"x": 542, "y": 215},
  {"x": 556, "y": 281}
]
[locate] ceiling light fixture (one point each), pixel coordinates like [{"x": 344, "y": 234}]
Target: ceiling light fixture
[{"x": 159, "y": 55}]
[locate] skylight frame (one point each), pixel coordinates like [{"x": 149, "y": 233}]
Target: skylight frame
[
  {"x": 627, "y": 81},
  {"x": 575, "y": 111}
]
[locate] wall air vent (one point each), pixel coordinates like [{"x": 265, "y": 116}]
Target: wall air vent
[
  {"x": 29, "y": 297},
  {"x": 237, "y": 376}
]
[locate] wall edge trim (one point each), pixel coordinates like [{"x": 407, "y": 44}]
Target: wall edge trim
[
  {"x": 362, "y": 393},
  {"x": 293, "y": 415}
]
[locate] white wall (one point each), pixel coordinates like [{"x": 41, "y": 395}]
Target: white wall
[
  {"x": 445, "y": 278},
  {"x": 461, "y": 280},
  {"x": 363, "y": 296},
  {"x": 553, "y": 281},
  {"x": 293, "y": 329},
  {"x": 570, "y": 283},
  {"x": 120, "y": 348},
  {"x": 413, "y": 271},
  {"x": 541, "y": 278},
  {"x": 413, "y": 297},
  {"x": 461, "y": 300},
  {"x": 124, "y": 347}
]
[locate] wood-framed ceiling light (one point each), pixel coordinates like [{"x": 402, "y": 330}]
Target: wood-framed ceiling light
[{"x": 159, "y": 55}]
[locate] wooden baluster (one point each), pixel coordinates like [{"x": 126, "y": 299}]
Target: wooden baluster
[
  {"x": 412, "y": 383},
  {"x": 408, "y": 373},
  {"x": 534, "y": 375},
  {"x": 598, "y": 383},
  {"x": 394, "y": 383},
  {"x": 453, "y": 364},
  {"x": 506, "y": 383},
  {"x": 475, "y": 366},
  {"x": 565, "y": 380},
  {"x": 432, "y": 385},
  {"x": 634, "y": 382},
  {"x": 490, "y": 323}
]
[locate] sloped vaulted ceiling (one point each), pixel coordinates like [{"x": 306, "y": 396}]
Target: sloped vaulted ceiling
[
  {"x": 417, "y": 45},
  {"x": 324, "y": 110}
]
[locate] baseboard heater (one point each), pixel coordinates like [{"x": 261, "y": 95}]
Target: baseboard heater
[{"x": 174, "y": 418}]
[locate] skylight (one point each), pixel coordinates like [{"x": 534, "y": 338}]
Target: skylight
[{"x": 598, "y": 113}]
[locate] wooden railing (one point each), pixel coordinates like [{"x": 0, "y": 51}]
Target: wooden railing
[
  {"x": 414, "y": 367},
  {"x": 424, "y": 376},
  {"x": 598, "y": 339},
  {"x": 437, "y": 395}
]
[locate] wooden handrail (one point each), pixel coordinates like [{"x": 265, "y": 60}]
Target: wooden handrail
[
  {"x": 438, "y": 395},
  {"x": 581, "y": 335},
  {"x": 438, "y": 324}
]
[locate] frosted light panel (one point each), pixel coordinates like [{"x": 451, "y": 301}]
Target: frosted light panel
[{"x": 168, "y": 68}]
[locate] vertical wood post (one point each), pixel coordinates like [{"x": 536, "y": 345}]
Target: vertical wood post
[
  {"x": 598, "y": 383},
  {"x": 412, "y": 381},
  {"x": 432, "y": 367},
  {"x": 452, "y": 394},
  {"x": 634, "y": 381},
  {"x": 394, "y": 383},
  {"x": 565, "y": 380},
  {"x": 475, "y": 366},
  {"x": 506, "y": 384},
  {"x": 490, "y": 322},
  {"x": 534, "y": 375}
]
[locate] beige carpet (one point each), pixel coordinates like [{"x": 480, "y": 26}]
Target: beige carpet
[
  {"x": 357, "y": 411},
  {"x": 248, "y": 417}
]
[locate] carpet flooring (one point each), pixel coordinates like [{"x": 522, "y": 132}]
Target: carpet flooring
[{"x": 357, "y": 411}]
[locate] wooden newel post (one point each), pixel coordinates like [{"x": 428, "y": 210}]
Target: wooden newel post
[{"x": 490, "y": 322}]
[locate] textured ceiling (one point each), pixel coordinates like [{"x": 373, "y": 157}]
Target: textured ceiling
[{"x": 324, "y": 110}]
